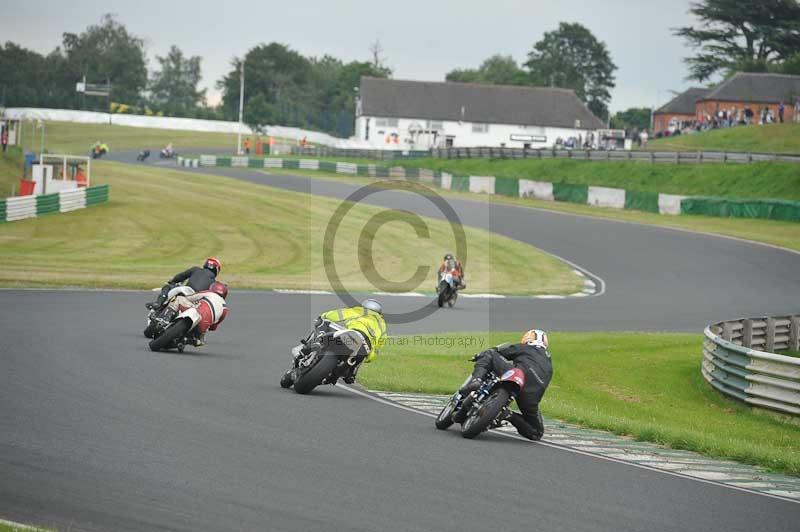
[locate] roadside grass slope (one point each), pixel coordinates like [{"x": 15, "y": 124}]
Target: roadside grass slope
[
  {"x": 10, "y": 171},
  {"x": 160, "y": 221},
  {"x": 646, "y": 385},
  {"x": 77, "y": 139},
  {"x": 771, "y": 138}
]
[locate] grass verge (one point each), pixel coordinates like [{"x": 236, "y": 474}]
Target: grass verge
[
  {"x": 266, "y": 238},
  {"x": 76, "y": 139},
  {"x": 646, "y": 385},
  {"x": 10, "y": 170},
  {"x": 772, "y": 138},
  {"x": 7, "y": 526}
]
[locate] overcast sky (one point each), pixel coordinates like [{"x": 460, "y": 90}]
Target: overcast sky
[{"x": 422, "y": 40}]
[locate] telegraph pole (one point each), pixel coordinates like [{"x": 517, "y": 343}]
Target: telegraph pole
[{"x": 241, "y": 109}]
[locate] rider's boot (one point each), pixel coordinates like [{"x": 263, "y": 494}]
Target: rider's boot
[{"x": 477, "y": 376}]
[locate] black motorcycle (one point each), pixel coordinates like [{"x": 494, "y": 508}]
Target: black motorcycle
[
  {"x": 479, "y": 410},
  {"x": 330, "y": 352},
  {"x": 143, "y": 155},
  {"x": 447, "y": 290}
]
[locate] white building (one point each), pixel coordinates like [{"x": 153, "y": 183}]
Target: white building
[{"x": 400, "y": 114}]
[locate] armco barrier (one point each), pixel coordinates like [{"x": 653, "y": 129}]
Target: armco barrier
[
  {"x": 21, "y": 207},
  {"x": 597, "y": 196},
  {"x": 738, "y": 360}
]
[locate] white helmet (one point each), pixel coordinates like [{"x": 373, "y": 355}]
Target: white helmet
[
  {"x": 373, "y": 305},
  {"x": 535, "y": 338}
]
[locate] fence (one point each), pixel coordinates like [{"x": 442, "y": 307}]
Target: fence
[
  {"x": 739, "y": 361},
  {"x": 653, "y": 157},
  {"x": 21, "y": 207}
]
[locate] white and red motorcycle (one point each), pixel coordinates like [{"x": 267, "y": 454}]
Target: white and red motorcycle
[{"x": 171, "y": 330}]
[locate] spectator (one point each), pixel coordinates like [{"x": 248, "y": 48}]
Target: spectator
[
  {"x": 748, "y": 115},
  {"x": 259, "y": 146},
  {"x": 4, "y": 138},
  {"x": 780, "y": 112},
  {"x": 797, "y": 110},
  {"x": 247, "y": 145}
]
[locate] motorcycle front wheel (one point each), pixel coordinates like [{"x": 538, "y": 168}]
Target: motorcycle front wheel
[
  {"x": 481, "y": 417},
  {"x": 171, "y": 334},
  {"x": 318, "y": 372},
  {"x": 445, "y": 417}
]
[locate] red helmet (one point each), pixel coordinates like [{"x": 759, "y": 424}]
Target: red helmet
[
  {"x": 221, "y": 289},
  {"x": 213, "y": 264}
]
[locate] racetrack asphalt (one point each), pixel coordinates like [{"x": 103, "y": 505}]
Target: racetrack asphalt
[{"x": 98, "y": 433}]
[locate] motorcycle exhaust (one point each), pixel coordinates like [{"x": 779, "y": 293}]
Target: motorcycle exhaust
[{"x": 352, "y": 360}]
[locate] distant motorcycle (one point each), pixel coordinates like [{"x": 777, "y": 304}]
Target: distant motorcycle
[
  {"x": 167, "y": 154},
  {"x": 478, "y": 411},
  {"x": 144, "y": 154},
  {"x": 331, "y": 359},
  {"x": 169, "y": 329},
  {"x": 447, "y": 290}
]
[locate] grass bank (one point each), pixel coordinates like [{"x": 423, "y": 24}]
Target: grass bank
[
  {"x": 646, "y": 385},
  {"x": 76, "y": 139},
  {"x": 758, "y": 180},
  {"x": 10, "y": 170},
  {"x": 6, "y": 526},
  {"x": 772, "y": 138},
  {"x": 266, "y": 238}
]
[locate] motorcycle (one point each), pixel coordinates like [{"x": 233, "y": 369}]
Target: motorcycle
[
  {"x": 167, "y": 154},
  {"x": 332, "y": 357},
  {"x": 478, "y": 411},
  {"x": 447, "y": 290},
  {"x": 144, "y": 154},
  {"x": 169, "y": 330}
]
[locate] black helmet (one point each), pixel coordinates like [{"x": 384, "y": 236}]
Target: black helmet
[{"x": 449, "y": 256}]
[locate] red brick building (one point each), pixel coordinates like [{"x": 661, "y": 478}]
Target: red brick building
[
  {"x": 754, "y": 91},
  {"x": 679, "y": 110}
]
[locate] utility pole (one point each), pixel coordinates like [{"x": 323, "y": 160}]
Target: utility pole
[{"x": 241, "y": 109}]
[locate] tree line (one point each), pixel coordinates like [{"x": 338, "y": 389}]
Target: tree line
[{"x": 287, "y": 88}]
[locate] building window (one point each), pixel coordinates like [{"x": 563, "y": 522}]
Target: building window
[
  {"x": 435, "y": 125},
  {"x": 386, "y": 122},
  {"x": 480, "y": 128}
]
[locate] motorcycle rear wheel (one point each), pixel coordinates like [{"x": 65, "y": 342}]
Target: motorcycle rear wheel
[
  {"x": 173, "y": 333},
  {"x": 479, "y": 420},
  {"x": 318, "y": 372}
]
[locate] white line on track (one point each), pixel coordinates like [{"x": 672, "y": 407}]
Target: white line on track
[{"x": 584, "y": 453}]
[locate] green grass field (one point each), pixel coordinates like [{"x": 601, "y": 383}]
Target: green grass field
[
  {"x": 78, "y": 139},
  {"x": 266, "y": 238},
  {"x": 5, "y": 527},
  {"x": 758, "y": 180},
  {"x": 10, "y": 171},
  {"x": 647, "y": 385},
  {"x": 772, "y": 138}
]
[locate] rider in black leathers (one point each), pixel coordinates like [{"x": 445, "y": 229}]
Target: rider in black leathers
[
  {"x": 533, "y": 358},
  {"x": 198, "y": 279}
]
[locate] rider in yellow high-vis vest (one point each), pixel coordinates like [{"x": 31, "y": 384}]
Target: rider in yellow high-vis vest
[
  {"x": 368, "y": 322},
  {"x": 369, "y": 326}
]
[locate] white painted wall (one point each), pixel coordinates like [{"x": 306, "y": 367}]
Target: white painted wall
[{"x": 462, "y": 132}]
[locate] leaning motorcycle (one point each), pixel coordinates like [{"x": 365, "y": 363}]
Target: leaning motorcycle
[
  {"x": 478, "y": 411},
  {"x": 447, "y": 291},
  {"x": 170, "y": 330},
  {"x": 330, "y": 357}
]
